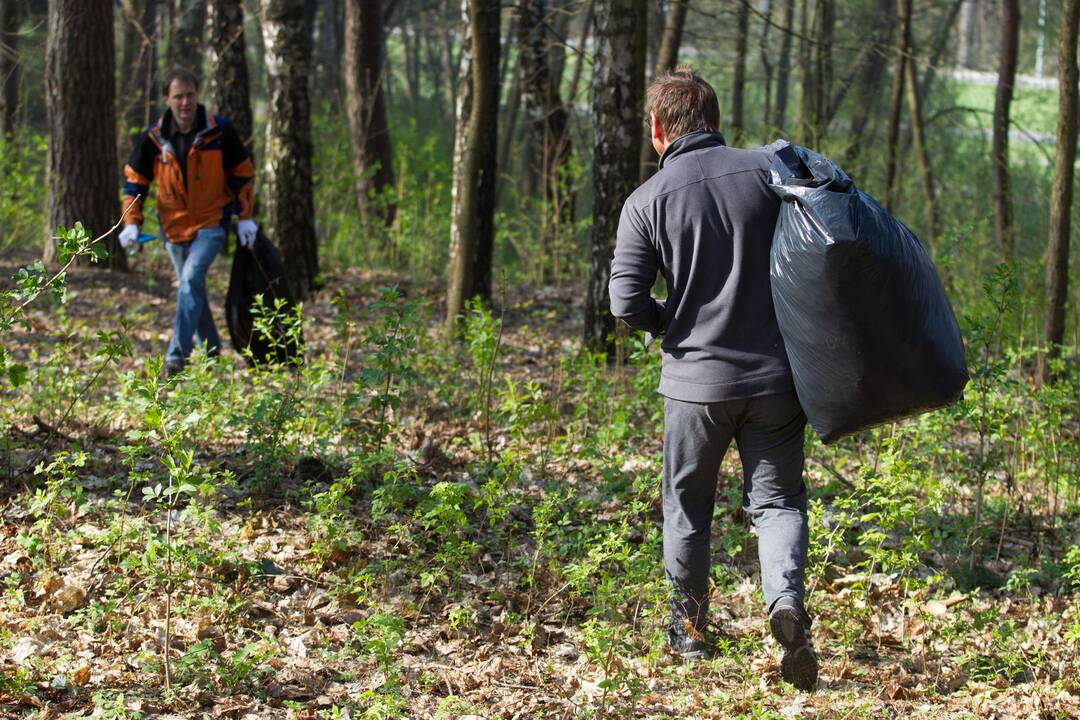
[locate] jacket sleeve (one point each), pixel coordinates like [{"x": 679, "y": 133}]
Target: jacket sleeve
[
  {"x": 633, "y": 272},
  {"x": 239, "y": 171},
  {"x": 138, "y": 174}
]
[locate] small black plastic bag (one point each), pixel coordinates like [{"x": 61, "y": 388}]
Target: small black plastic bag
[
  {"x": 869, "y": 332},
  {"x": 260, "y": 271}
]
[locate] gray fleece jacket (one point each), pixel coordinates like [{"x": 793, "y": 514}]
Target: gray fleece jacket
[{"x": 705, "y": 220}]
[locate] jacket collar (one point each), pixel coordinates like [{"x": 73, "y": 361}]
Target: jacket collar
[
  {"x": 689, "y": 142},
  {"x": 203, "y": 122}
]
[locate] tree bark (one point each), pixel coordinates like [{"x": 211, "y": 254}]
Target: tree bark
[
  {"x": 667, "y": 58},
  {"x": 366, "y": 105},
  {"x": 227, "y": 85},
  {"x": 1061, "y": 190},
  {"x": 618, "y": 75},
  {"x": 767, "y": 71},
  {"x": 921, "y": 153},
  {"x": 186, "y": 47},
  {"x": 738, "y": 83},
  {"x": 289, "y": 201},
  {"x": 9, "y": 65},
  {"x": 471, "y": 255},
  {"x": 807, "y": 79},
  {"x": 139, "y": 84},
  {"x": 783, "y": 66},
  {"x": 82, "y": 160},
  {"x": 548, "y": 124},
  {"x": 892, "y": 135},
  {"x": 999, "y": 154},
  {"x": 869, "y": 82}
]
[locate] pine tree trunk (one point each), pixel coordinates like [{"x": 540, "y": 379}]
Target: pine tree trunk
[
  {"x": 1010, "y": 42},
  {"x": 892, "y": 135},
  {"x": 921, "y": 153},
  {"x": 140, "y": 95},
  {"x": 289, "y": 201},
  {"x": 618, "y": 75},
  {"x": 783, "y": 67},
  {"x": 186, "y": 48},
  {"x": 9, "y": 65},
  {"x": 738, "y": 84},
  {"x": 366, "y": 108},
  {"x": 767, "y": 71},
  {"x": 470, "y": 262},
  {"x": 1061, "y": 190},
  {"x": 825, "y": 23},
  {"x": 82, "y": 162},
  {"x": 227, "y": 85}
]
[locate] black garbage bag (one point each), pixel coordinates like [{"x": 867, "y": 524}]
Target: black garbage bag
[
  {"x": 260, "y": 271},
  {"x": 869, "y": 332}
]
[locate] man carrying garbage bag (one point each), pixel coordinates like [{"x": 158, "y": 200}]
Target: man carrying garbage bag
[
  {"x": 705, "y": 220},
  {"x": 203, "y": 174}
]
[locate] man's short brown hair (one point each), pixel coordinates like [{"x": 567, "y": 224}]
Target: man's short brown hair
[
  {"x": 181, "y": 74},
  {"x": 683, "y": 103}
]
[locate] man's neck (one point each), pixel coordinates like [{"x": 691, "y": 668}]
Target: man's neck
[{"x": 185, "y": 129}]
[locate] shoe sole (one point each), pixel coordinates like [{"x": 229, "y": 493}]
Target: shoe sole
[{"x": 799, "y": 665}]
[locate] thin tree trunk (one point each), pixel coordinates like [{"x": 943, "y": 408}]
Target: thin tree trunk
[
  {"x": 9, "y": 65},
  {"x": 227, "y": 84},
  {"x": 808, "y": 89},
  {"x": 509, "y": 126},
  {"x": 618, "y": 75},
  {"x": 186, "y": 48},
  {"x": 470, "y": 261},
  {"x": 869, "y": 84},
  {"x": 783, "y": 66},
  {"x": 586, "y": 26},
  {"x": 892, "y": 135},
  {"x": 140, "y": 67},
  {"x": 458, "y": 191},
  {"x": 666, "y": 60},
  {"x": 371, "y": 150},
  {"x": 767, "y": 72},
  {"x": 925, "y": 169},
  {"x": 1061, "y": 189},
  {"x": 82, "y": 161},
  {"x": 825, "y": 22},
  {"x": 1010, "y": 42},
  {"x": 289, "y": 198},
  {"x": 738, "y": 84}
]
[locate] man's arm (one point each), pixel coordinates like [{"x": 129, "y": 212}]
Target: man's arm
[
  {"x": 633, "y": 272},
  {"x": 239, "y": 170},
  {"x": 138, "y": 174}
]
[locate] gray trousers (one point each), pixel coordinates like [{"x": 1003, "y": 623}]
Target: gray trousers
[{"x": 768, "y": 432}]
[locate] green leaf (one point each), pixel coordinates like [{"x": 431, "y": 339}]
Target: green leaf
[{"x": 17, "y": 374}]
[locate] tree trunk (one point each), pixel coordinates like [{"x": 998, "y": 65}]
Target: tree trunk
[
  {"x": 807, "y": 80},
  {"x": 186, "y": 48},
  {"x": 82, "y": 161},
  {"x": 366, "y": 106},
  {"x": 548, "y": 124},
  {"x": 925, "y": 169},
  {"x": 892, "y": 135},
  {"x": 330, "y": 24},
  {"x": 968, "y": 24},
  {"x": 470, "y": 260},
  {"x": 825, "y": 23},
  {"x": 586, "y": 27},
  {"x": 618, "y": 75},
  {"x": 767, "y": 72},
  {"x": 289, "y": 201},
  {"x": 9, "y": 65},
  {"x": 667, "y": 58},
  {"x": 869, "y": 82},
  {"x": 140, "y": 96},
  {"x": 738, "y": 83},
  {"x": 1061, "y": 190},
  {"x": 1010, "y": 42},
  {"x": 227, "y": 86},
  {"x": 783, "y": 66}
]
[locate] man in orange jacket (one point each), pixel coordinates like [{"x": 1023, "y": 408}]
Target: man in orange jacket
[{"x": 203, "y": 174}]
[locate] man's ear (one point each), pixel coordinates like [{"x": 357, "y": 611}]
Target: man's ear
[{"x": 657, "y": 130}]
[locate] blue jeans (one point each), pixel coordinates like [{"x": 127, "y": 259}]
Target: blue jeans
[{"x": 194, "y": 323}]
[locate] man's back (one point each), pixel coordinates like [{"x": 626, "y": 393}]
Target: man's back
[{"x": 705, "y": 220}]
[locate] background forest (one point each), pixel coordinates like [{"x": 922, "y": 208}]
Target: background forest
[{"x": 450, "y": 506}]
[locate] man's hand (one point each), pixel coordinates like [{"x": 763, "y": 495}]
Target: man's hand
[
  {"x": 246, "y": 230},
  {"x": 129, "y": 237}
]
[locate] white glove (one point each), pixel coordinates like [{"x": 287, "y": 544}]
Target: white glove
[
  {"x": 246, "y": 230},
  {"x": 129, "y": 237}
]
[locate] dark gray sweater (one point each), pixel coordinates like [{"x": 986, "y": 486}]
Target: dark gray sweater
[{"x": 705, "y": 220}]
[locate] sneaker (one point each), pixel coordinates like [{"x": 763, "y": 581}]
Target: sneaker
[
  {"x": 173, "y": 368},
  {"x": 790, "y": 626},
  {"x": 687, "y": 641}
]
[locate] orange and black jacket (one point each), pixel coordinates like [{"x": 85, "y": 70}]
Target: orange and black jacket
[{"x": 218, "y": 179}]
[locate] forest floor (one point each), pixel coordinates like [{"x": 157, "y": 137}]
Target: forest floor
[{"x": 282, "y": 590}]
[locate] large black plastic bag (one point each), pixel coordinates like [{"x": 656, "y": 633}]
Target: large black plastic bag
[
  {"x": 869, "y": 332},
  {"x": 259, "y": 271}
]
